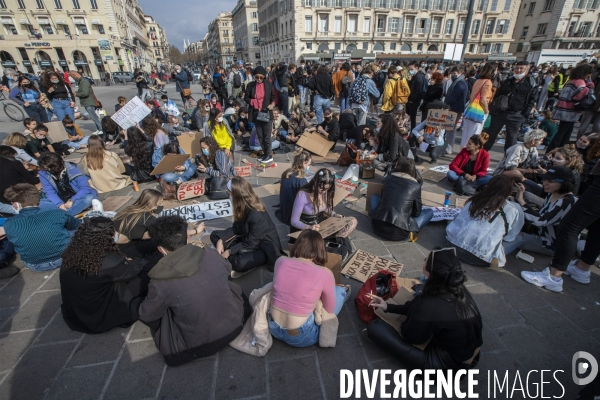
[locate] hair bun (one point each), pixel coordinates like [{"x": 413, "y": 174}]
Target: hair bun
[{"x": 484, "y": 137}]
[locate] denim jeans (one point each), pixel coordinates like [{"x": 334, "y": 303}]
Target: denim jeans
[
  {"x": 361, "y": 116},
  {"x": 274, "y": 146},
  {"x": 37, "y": 112},
  {"x": 484, "y": 180},
  {"x": 47, "y": 266},
  {"x": 92, "y": 114},
  {"x": 172, "y": 177},
  {"x": 309, "y": 331},
  {"x": 423, "y": 219},
  {"x": 320, "y": 105},
  {"x": 344, "y": 103},
  {"x": 77, "y": 208},
  {"x": 62, "y": 108},
  {"x": 77, "y": 145},
  {"x": 302, "y": 91},
  {"x": 451, "y": 135}
]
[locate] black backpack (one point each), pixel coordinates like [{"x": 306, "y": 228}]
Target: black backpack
[
  {"x": 346, "y": 83},
  {"x": 237, "y": 80}
]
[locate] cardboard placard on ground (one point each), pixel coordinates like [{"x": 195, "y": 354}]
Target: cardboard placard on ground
[
  {"x": 315, "y": 143},
  {"x": 460, "y": 202},
  {"x": 115, "y": 202},
  {"x": 267, "y": 190},
  {"x": 190, "y": 144},
  {"x": 169, "y": 162},
  {"x": 333, "y": 263},
  {"x": 326, "y": 228},
  {"x": 359, "y": 206},
  {"x": 191, "y": 189},
  {"x": 56, "y": 132},
  {"x": 202, "y": 211},
  {"x": 244, "y": 170},
  {"x": 329, "y": 158},
  {"x": 432, "y": 199},
  {"x": 131, "y": 113},
  {"x": 444, "y": 213},
  {"x": 363, "y": 265},
  {"x": 433, "y": 176},
  {"x": 444, "y": 119},
  {"x": 275, "y": 172}
]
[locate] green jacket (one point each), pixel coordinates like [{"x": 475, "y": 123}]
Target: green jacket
[{"x": 85, "y": 93}]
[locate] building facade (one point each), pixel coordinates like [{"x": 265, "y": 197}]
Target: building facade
[
  {"x": 245, "y": 32},
  {"x": 220, "y": 40},
  {"x": 90, "y": 35},
  {"x": 317, "y": 29},
  {"x": 557, "y": 24},
  {"x": 158, "y": 43}
]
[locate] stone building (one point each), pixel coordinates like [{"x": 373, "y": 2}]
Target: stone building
[
  {"x": 245, "y": 32},
  {"x": 220, "y": 40}
]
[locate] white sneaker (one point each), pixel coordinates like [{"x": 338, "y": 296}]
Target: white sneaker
[
  {"x": 543, "y": 279},
  {"x": 577, "y": 274},
  {"x": 97, "y": 205}
]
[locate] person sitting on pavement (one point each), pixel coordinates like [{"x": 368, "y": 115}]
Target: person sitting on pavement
[
  {"x": 110, "y": 130},
  {"x": 566, "y": 156},
  {"x": 280, "y": 124},
  {"x": 521, "y": 160},
  {"x": 488, "y": 227},
  {"x": 77, "y": 139},
  {"x": 472, "y": 162},
  {"x": 212, "y": 160},
  {"x": 139, "y": 147},
  {"x": 214, "y": 103},
  {"x": 183, "y": 173},
  {"x": 187, "y": 323},
  {"x": 38, "y": 142},
  {"x": 105, "y": 168},
  {"x": 168, "y": 106},
  {"x": 101, "y": 287},
  {"x": 13, "y": 172},
  {"x": 330, "y": 127},
  {"x": 300, "y": 281},
  {"x": 444, "y": 317},
  {"x": 397, "y": 213},
  {"x": 173, "y": 128},
  {"x": 434, "y": 137},
  {"x": 152, "y": 128},
  {"x": 253, "y": 240},
  {"x": 314, "y": 204},
  {"x": 121, "y": 101},
  {"x": 65, "y": 186},
  {"x": 156, "y": 112},
  {"x": 291, "y": 182},
  {"x": 297, "y": 125},
  {"x": 391, "y": 146},
  {"x": 242, "y": 125},
  {"x": 19, "y": 143},
  {"x": 219, "y": 130},
  {"x": 39, "y": 235}
]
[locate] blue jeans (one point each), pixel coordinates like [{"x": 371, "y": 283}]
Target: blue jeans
[
  {"x": 62, "y": 108},
  {"x": 422, "y": 220},
  {"x": 77, "y": 208},
  {"x": 320, "y": 104},
  {"x": 77, "y": 145},
  {"x": 92, "y": 114},
  {"x": 172, "y": 177},
  {"x": 302, "y": 90},
  {"x": 484, "y": 180},
  {"x": 274, "y": 146},
  {"x": 208, "y": 96},
  {"x": 47, "y": 266},
  {"x": 344, "y": 103},
  {"x": 309, "y": 331}
]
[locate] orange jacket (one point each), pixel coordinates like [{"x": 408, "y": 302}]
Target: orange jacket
[{"x": 337, "y": 80}]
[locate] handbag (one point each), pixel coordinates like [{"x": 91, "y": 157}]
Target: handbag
[
  {"x": 464, "y": 187},
  {"x": 348, "y": 156},
  {"x": 185, "y": 92},
  {"x": 169, "y": 191},
  {"x": 263, "y": 116},
  {"x": 382, "y": 284},
  {"x": 217, "y": 188},
  {"x": 499, "y": 104},
  {"x": 474, "y": 111}
]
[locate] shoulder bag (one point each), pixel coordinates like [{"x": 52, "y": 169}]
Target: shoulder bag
[
  {"x": 474, "y": 111},
  {"x": 217, "y": 188},
  {"x": 263, "y": 116}
]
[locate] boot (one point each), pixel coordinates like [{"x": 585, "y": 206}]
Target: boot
[{"x": 414, "y": 153}]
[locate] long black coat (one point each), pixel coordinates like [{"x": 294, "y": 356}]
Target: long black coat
[{"x": 251, "y": 94}]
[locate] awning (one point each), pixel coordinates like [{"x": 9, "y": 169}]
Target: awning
[
  {"x": 62, "y": 62},
  {"x": 24, "y": 21},
  {"x": 475, "y": 56},
  {"x": 8, "y": 63},
  {"x": 61, "y": 22},
  {"x": 501, "y": 58},
  {"x": 7, "y": 21},
  {"x": 96, "y": 22},
  {"x": 98, "y": 62}
]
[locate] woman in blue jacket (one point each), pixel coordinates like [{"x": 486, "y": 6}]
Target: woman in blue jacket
[{"x": 64, "y": 186}]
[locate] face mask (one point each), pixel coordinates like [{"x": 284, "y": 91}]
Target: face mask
[
  {"x": 519, "y": 76},
  {"x": 39, "y": 136},
  {"x": 54, "y": 81},
  {"x": 177, "y": 69},
  {"x": 534, "y": 75},
  {"x": 328, "y": 117},
  {"x": 205, "y": 152},
  {"x": 17, "y": 207},
  {"x": 159, "y": 209},
  {"x": 454, "y": 78},
  {"x": 220, "y": 119},
  {"x": 581, "y": 147},
  {"x": 544, "y": 71},
  {"x": 412, "y": 71},
  {"x": 207, "y": 108},
  {"x": 214, "y": 101},
  {"x": 307, "y": 169}
]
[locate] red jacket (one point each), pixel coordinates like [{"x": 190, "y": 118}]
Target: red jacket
[{"x": 481, "y": 163}]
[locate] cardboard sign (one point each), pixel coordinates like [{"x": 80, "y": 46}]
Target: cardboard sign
[
  {"x": 329, "y": 158},
  {"x": 56, "y": 132},
  {"x": 359, "y": 206},
  {"x": 275, "y": 172},
  {"x": 315, "y": 143},
  {"x": 443, "y": 119},
  {"x": 432, "y": 199},
  {"x": 345, "y": 185},
  {"x": 433, "y": 176},
  {"x": 190, "y": 144},
  {"x": 460, "y": 202},
  {"x": 131, "y": 113},
  {"x": 169, "y": 162},
  {"x": 440, "y": 168},
  {"x": 267, "y": 190},
  {"x": 444, "y": 213},
  {"x": 244, "y": 170},
  {"x": 189, "y": 190},
  {"x": 202, "y": 211},
  {"x": 326, "y": 228},
  {"x": 363, "y": 265},
  {"x": 115, "y": 202}
]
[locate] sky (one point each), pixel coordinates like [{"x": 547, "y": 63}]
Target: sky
[{"x": 185, "y": 19}]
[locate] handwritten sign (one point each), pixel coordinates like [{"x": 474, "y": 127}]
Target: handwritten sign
[
  {"x": 189, "y": 190},
  {"x": 363, "y": 265},
  {"x": 244, "y": 170},
  {"x": 345, "y": 185},
  {"x": 202, "y": 211},
  {"x": 131, "y": 113},
  {"x": 443, "y": 119},
  {"x": 326, "y": 228},
  {"x": 444, "y": 213}
]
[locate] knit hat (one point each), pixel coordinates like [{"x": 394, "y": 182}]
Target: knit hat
[{"x": 260, "y": 70}]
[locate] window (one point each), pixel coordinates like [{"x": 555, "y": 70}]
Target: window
[
  {"x": 367, "y": 25},
  {"x": 337, "y": 25},
  {"x": 76, "y": 4},
  {"x": 82, "y": 28},
  {"x": 500, "y": 26},
  {"x": 365, "y": 46},
  {"x": 471, "y": 48},
  {"x": 101, "y": 30},
  {"x": 352, "y": 22},
  {"x": 381, "y": 24},
  {"x": 497, "y": 48},
  {"x": 2, "y": 4},
  {"x": 353, "y": 3},
  {"x": 579, "y": 4},
  {"x": 409, "y": 25},
  {"x": 461, "y": 26},
  {"x": 532, "y": 8},
  {"x": 485, "y": 48},
  {"x": 225, "y": 33},
  {"x": 525, "y": 31},
  {"x": 541, "y": 29},
  {"x": 254, "y": 15},
  {"x": 308, "y": 45},
  {"x": 337, "y": 3},
  {"x": 323, "y": 23},
  {"x": 11, "y": 29},
  {"x": 422, "y": 25},
  {"x": 483, "y": 5},
  {"x": 57, "y": 4},
  {"x": 39, "y": 4},
  {"x": 436, "y": 26},
  {"x": 66, "y": 29},
  {"x": 507, "y": 5},
  {"x": 255, "y": 27},
  {"x": 424, "y": 4},
  {"x": 571, "y": 30},
  {"x": 47, "y": 28},
  {"x": 476, "y": 27},
  {"x": 449, "y": 27},
  {"x": 494, "y": 5},
  {"x": 396, "y": 4},
  {"x": 93, "y": 4},
  {"x": 392, "y": 46},
  {"x": 21, "y": 4},
  {"x": 337, "y": 45},
  {"x": 157, "y": 52},
  {"x": 584, "y": 29},
  {"x": 393, "y": 25},
  {"x": 489, "y": 26},
  {"x": 437, "y": 4}
]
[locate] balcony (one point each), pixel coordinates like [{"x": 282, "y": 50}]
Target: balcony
[
  {"x": 40, "y": 11},
  {"x": 352, "y": 33}
]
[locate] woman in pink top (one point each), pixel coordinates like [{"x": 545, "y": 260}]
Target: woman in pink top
[{"x": 299, "y": 282}]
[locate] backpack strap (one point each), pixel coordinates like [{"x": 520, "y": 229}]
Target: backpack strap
[{"x": 503, "y": 215}]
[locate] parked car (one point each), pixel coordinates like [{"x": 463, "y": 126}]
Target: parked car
[
  {"x": 197, "y": 75},
  {"x": 123, "y": 77}
]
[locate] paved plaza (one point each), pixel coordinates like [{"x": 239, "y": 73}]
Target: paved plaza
[{"x": 525, "y": 328}]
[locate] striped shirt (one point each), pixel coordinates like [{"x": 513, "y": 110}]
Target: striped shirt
[{"x": 547, "y": 219}]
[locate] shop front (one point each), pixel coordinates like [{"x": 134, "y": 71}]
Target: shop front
[{"x": 81, "y": 63}]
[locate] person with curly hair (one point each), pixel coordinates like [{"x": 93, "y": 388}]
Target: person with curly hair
[
  {"x": 139, "y": 147},
  {"x": 152, "y": 128},
  {"x": 213, "y": 160},
  {"x": 99, "y": 285},
  {"x": 59, "y": 94}
]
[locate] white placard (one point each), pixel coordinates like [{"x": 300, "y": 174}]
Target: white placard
[
  {"x": 440, "y": 168},
  {"x": 131, "y": 113},
  {"x": 202, "y": 211},
  {"x": 444, "y": 213},
  {"x": 424, "y": 146}
]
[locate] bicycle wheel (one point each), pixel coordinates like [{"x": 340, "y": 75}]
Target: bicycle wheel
[{"x": 14, "y": 112}]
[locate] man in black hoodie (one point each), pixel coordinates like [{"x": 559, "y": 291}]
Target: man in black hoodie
[
  {"x": 418, "y": 87},
  {"x": 322, "y": 86},
  {"x": 283, "y": 91}
]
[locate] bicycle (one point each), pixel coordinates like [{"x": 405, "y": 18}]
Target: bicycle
[{"x": 12, "y": 110}]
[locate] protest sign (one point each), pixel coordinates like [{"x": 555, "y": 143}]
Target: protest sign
[
  {"x": 244, "y": 170},
  {"x": 56, "y": 132},
  {"x": 328, "y": 159},
  {"x": 443, "y": 119},
  {"x": 460, "y": 202},
  {"x": 326, "y": 228},
  {"x": 363, "y": 265},
  {"x": 315, "y": 143},
  {"x": 191, "y": 189},
  {"x": 276, "y": 171},
  {"x": 190, "y": 144},
  {"x": 169, "y": 162},
  {"x": 115, "y": 202},
  {"x": 432, "y": 199},
  {"x": 440, "y": 168},
  {"x": 267, "y": 190},
  {"x": 444, "y": 213},
  {"x": 131, "y": 113},
  {"x": 202, "y": 211}
]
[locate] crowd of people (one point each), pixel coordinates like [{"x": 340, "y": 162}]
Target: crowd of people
[{"x": 139, "y": 265}]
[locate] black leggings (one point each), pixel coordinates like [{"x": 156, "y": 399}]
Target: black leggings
[
  {"x": 563, "y": 135},
  {"x": 263, "y": 133}
]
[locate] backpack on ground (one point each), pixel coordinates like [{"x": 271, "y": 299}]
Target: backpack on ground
[
  {"x": 358, "y": 94},
  {"x": 189, "y": 75},
  {"x": 346, "y": 83},
  {"x": 382, "y": 284},
  {"x": 237, "y": 80}
]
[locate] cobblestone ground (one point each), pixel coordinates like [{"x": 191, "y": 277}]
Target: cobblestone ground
[{"x": 525, "y": 329}]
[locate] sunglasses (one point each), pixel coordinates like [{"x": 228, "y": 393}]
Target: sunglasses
[{"x": 259, "y": 77}]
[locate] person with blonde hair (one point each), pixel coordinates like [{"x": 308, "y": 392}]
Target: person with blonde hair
[
  {"x": 18, "y": 142},
  {"x": 291, "y": 182},
  {"x": 104, "y": 168},
  {"x": 253, "y": 239},
  {"x": 522, "y": 158}
]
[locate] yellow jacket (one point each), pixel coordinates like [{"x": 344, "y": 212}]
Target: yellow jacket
[{"x": 395, "y": 92}]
